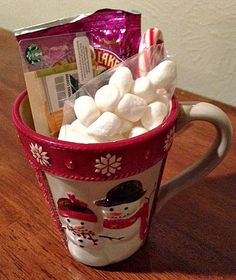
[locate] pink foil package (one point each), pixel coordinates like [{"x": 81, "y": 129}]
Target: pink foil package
[
  {"x": 114, "y": 34},
  {"x": 51, "y": 58}
]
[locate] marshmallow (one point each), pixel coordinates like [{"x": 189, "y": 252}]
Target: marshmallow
[
  {"x": 154, "y": 115},
  {"x": 107, "y": 125},
  {"x": 163, "y": 75},
  {"x": 122, "y": 79},
  {"x": 126, "y": 126},
  {"x": 67, "y": 134},
  {"x": 107, "y": 97},
  {"x": 63, "y": 132},
  {"x": 131, "y": 107},
  {"x": 137, "y": 130},
  {"x": 143, "y": 88},
  {"x": 76, "y": 132},
  {"x": 116, "y": 137},
  {"x": 86, "y": 110},
  {"x": 78, "y": 127},
  {"x": 86, "y": 140}
]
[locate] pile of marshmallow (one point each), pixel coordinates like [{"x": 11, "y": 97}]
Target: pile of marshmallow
[{"x": 123, "y": 108}]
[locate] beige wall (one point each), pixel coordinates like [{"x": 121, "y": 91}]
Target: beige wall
[{"x": 201, "y": 34}]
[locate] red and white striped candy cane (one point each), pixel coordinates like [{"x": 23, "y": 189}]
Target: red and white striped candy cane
[{"x": 149, "y": 57}]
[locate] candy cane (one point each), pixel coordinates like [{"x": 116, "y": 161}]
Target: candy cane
[{"x": 149, "y": 57}]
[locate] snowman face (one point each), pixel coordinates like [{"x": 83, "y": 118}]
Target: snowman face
[
  {"x": 122, "y": 210},
  {"x": 77, "y": 224}
]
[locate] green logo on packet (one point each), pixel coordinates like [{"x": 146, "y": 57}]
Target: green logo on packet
[{"x": 33, "y": 54}]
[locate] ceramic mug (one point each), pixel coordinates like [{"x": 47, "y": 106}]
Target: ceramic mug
[{"x": 102, "y": 196}]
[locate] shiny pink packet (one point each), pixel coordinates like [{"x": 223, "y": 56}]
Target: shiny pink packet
[{"x": 114, "y": 34}]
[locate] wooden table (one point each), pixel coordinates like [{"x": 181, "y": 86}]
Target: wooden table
[{"x": 192, "y": 237}]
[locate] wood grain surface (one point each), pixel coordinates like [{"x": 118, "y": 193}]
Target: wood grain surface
[{"x": 192, "y": 237}]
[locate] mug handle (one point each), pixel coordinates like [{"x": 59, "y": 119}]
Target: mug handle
[{"x": 191, "y": 111}]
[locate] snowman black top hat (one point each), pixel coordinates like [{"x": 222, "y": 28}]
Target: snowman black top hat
[{"x": 125, "y": 192}]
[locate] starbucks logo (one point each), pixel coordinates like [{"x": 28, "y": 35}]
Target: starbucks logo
[{"x": 33, "y": 54}]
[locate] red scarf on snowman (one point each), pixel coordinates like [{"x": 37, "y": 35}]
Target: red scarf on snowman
[{"x": 142, "y": 213}]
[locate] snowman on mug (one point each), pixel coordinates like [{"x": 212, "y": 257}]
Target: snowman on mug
[{"x": 125, "y": 211}]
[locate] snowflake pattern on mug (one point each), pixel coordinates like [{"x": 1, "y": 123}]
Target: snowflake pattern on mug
[
  {"x": 169, "y": 139},
  {"x": 108, "y": 165},
  {"x": 39, "y": 154}
]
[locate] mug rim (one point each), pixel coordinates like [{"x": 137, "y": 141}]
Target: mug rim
[{"x": 17, "y": 119}]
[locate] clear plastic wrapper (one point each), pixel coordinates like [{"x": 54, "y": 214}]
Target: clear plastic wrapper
[
  {"x": 153, "y": 56},
  {"x": 160, "y": 72}
]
